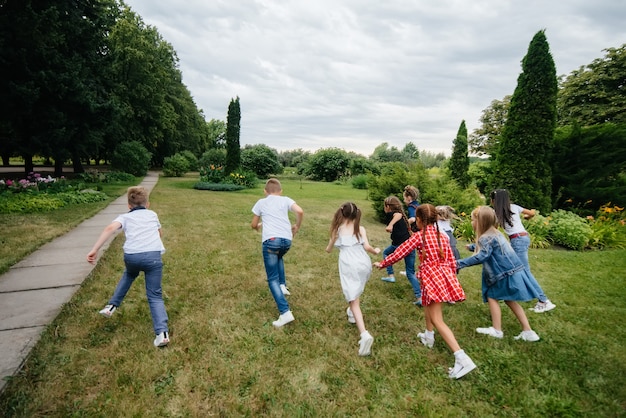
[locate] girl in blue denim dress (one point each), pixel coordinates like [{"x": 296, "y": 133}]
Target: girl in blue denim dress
[{"x": 504, "y": 276}]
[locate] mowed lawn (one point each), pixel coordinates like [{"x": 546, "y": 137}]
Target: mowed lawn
[{"x": 226, "y": 359}]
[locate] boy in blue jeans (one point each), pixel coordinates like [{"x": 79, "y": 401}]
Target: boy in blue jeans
[
  {"x": 277, "y": 233},
  {"x": 142, "y": 252}
]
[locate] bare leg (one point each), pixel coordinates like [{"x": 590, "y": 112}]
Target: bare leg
[
  {"x": 519, "y": 313},
  {"x": 496, "y": 313},
  {"x": 355, "y": 307},
  {"x": 435, "y": 316}
]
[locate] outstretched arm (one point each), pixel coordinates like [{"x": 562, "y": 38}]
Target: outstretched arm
[
  {"x": 366, "y": 243},
  {"x": 299, "y": 216},
  {"x": 107, "y": 233}
]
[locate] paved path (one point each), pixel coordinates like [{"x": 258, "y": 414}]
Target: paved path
[{"x": 34, "y": 290}]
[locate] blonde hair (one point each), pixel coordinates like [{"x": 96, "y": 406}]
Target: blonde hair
[
  {"x": 273, "y": 186},
  {"x": 412, "y": 192},
  {"x": 137, "y": 196},
  {"x": 484, "y": 220},
  {"x": 446, "y": 212}
]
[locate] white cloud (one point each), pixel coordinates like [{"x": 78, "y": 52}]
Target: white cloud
[{"x": 356, "y": 73}]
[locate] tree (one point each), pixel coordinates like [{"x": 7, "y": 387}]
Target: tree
[
  {"x": 233, "y": 149},
  {"x": 523, "y": 156},
  {"x": 596, "y": 93},
  {"x": 385, "y": 154},
  {"x": 261, "y": 160},
  {"x": 485, "y": 138},
  {"x": 217, "y": 133},
  {"x": 459, "y": 161},
  {"x": 328, "y": 164}
]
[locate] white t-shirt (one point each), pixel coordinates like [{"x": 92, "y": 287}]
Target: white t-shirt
[
  {"x": 274, "y": 213},
  {"x": 141, "y": 227},
  {"x": 517, "y": 226},
  {"x": 445, "y": 225}
]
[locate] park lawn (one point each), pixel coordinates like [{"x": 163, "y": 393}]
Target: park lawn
[{"x": 226, "y": 359}]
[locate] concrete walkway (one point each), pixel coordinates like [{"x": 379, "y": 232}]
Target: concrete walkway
[{"x": 34, "y": 290}]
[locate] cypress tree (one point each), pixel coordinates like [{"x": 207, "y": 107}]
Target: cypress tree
[
  {"x": 233, "y": 149},
  {"x": 522, "y": 160},
  {"x": 459, "y": 161}
]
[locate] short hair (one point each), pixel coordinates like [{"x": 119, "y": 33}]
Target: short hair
[
  {"x": 137, "y": 196},
  {"x": 273, "y": 186}
]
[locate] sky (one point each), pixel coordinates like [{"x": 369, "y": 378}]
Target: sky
[{"x": 354, "y": 74}]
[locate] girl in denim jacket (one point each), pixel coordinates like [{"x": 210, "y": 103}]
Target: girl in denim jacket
[{"x": 504, "y": 276}]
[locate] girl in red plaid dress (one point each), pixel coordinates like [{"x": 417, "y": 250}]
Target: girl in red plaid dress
[{"x": 437, "y": 274}]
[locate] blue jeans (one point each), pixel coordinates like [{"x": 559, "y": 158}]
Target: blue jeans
[
  {"x": 152, "y": 266},
  {"x": 520, "y": 246},
  {"x": 409, "y": 265},
  {"x": 273, "y": 251}
]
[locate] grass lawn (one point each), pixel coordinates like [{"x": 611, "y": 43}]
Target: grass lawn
[{"x": 226, "y": 359}]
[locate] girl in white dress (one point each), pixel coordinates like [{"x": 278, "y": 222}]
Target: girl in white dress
[{"x": 355, "y": 266}]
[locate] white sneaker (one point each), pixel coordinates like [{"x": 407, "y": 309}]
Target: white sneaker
[
  {"x": 350, "y": 316},
  {"x": 528, "y": 336},
  {"x": 426, "y": 340},
  {"x": 365, "y": 344},
  {"x": 542, "y": 307},
  {"x": 162, "y": 339},
  {"x": 403, "y": 273},
  {"x": 284, "y": 289},
  {"x": 491, "y": 331},
  {"x": 108, "y": 310},
  {"x": 284, "y": 319},
  {"x": 461, "y": 367}
]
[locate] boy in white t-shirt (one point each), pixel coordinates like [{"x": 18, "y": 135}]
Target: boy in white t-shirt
[
  {"x": 142, "y": 252},
  {"x": 276, "y": 236}
]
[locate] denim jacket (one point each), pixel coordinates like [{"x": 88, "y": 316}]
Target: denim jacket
[{"x": 497, "y": 257}]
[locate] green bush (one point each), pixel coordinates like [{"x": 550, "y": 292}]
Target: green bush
[
  {"x": 360, "y": 181},
  {"x": 569, "y": 230},
  {"x": 214, "y": 156},
  {"x": 191, "y": 159},
  {"x": 131, "y": 157},
  {"x": 217, "y": 187},
  {"x": 242, "y": 177},
  {"x": 175, "y": 166},
  {"x": 538, "y": 228},
  {"x": 43, "y": 202},
  {"x": 211, "y": 173}
]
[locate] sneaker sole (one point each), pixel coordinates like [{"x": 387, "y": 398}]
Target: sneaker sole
[{"x": 163, "y": 343}]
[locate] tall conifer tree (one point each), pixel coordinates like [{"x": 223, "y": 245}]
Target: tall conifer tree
[
  {"x": 522, "y": 160},
  {"x": 233, "y": 149},
  {"x": 459, "y": 161}
]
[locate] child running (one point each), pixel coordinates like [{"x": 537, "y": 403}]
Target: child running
[
  {"x": 445, "y": 216},
  {"x": 355, "y": 266},
  {"x": 400, "y": 230},
  {"x": 504, "y": 276},
  {"x": 509, "y": 217},
  {"x": 142, "y": 252},
  {"x": 437, "y": 273}
]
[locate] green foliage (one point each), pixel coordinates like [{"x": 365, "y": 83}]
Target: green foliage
[
  {"x": 212, "y": 173},
  {"x": 523, "y": 159},
  {"x": 96, "y": 176},
  {"x": 538, "y": 228},
  {"x": 131, "y": 157},
  {"x": 360, "y": 181},
  {"x": 463, "y": 227},
  {"x": 233, "y": 149},
  {"x": 459, "y": 161},
  {"x": 191, "y": 159},
  {"x": 218, "y": 187},
  {"x": 213, "y": 156},
  {"x": 43, "y": 202},
  {"x": 242, "y": 177},
  {"x": 569, "y": 230},
  {"x": 594, "y": 94},
  {"x": 586, "y": 173},
  {"x": 328, "y": 164},
  {"x": 445, "y": 191},
  {"x": 175, "y": 166},
  {"x": 362, "y": 165},
  {"x": 608, "y": 227},
  {"x": 261, "y": 160},
  {"x": 484, "y": 140}
]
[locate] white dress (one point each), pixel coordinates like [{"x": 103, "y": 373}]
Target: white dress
[{"x": 355, "y": 266}]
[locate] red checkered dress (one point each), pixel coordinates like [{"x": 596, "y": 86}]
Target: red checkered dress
[{"x": 437, "y": 275}]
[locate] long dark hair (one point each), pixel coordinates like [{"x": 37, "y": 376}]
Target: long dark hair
[
  {"x": 396, "y": 206},
  {"x": 348, "y": 211},
  {"x": 502, "y": 205}
]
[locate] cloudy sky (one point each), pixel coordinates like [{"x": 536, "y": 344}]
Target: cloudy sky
[{"x": 353, "y": 74}]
